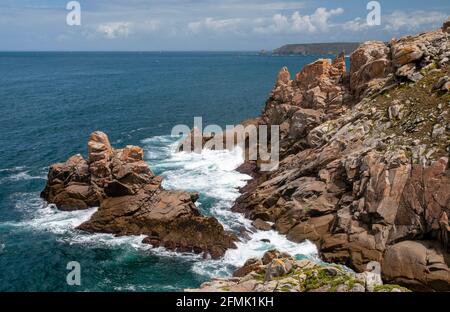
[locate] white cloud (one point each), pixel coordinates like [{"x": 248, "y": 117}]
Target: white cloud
[
  {"x": 297, "y": 23},
  {"x": 358, "y": 24},
  {"x": 399, "y": 21},
  {"x": 413, "y": 20},
  {"x": 215, "y": 25},
  {"x": 115, "y": 29},
  {"x": 280, "y": 23}
]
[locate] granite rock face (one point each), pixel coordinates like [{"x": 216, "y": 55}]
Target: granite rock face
[
  {"x": 369, "y": 65},
  {"x": 132, "y": 201},
  {"x": 364, "y": 170}
]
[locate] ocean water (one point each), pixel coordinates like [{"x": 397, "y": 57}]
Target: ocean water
[{"x": 51, "y": 102}]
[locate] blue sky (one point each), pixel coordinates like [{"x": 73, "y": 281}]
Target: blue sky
[{"x": 155, "y": 25}]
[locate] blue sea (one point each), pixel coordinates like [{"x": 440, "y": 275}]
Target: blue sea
[{"x": 51, "y": 102}]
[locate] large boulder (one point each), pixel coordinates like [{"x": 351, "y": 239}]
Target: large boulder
[
  {"x": 283, "y": 77},
  {"x": 406, "y": 52},
  {"x": 368, "y": 64},
  {"x": 313, "y": 229},
  {"x": 320, "y": 82},
  {"x": 132, "y": 201},
  {"x": 304, "y": 120},
  {"x": 99, "y": 147},
  {"x": 168, "y": 218},
  {"x": 68, "y": 185},
  {"x": 421, "y": 265}
]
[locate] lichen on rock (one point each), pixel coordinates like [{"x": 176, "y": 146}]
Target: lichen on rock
[{"x": 280, "y": 272}]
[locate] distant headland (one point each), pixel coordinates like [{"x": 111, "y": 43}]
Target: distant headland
[{"x": 317, "y": 48}]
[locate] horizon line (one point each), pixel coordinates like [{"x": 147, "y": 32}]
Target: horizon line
[
  {"x": 174, "y": 50},
  {"x": 134, "y": 51}
]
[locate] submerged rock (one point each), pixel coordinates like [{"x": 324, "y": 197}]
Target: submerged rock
[
  {"x": 132, "y": 201},
  {"x": 261, "y": 225}
]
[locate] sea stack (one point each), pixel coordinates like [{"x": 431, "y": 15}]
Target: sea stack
[{"x": 132, "y": 201}]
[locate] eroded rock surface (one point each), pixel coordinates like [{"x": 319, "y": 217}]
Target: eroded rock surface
[
  {"x": 131, "y": 200},
  {"x": 364, "y": 169},
  {"x": 420, "y": 264}
]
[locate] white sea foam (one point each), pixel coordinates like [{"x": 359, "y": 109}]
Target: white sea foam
[
  {"x": 64, "y": 223},
  {"x": 18, "y": 168},
  {"x": 211, "y": 173},
  {"x": 48, "y": 218},
  {"x": 18, "y": 174},
  {"x": 254, "y": 248},
  {"x": 27, "y": 202}
]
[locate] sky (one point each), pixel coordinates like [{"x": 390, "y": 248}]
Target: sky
[{"x": 206, "y": 25}]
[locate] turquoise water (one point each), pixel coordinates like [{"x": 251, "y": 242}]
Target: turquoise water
[{"x": 51, "y": 102}]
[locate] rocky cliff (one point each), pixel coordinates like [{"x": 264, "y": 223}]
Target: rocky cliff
[
  {"x": 364, "y": 169},
  {"x": 131, "y": 200}
]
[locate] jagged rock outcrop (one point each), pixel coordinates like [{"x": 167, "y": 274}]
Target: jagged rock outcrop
[
  {"x": 317, "y": 86},
  {"x": 318, "y": 93},
  {"x": 131, "y": 200},
  {"x": 364, "y": 169},
  {"x": 370, "y": 65},
  {"x": 279, "y": 272}
]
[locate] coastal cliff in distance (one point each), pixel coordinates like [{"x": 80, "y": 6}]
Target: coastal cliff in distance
[
  {"x": 364, "y": 170},
  {"x": 332, "y": 48}
]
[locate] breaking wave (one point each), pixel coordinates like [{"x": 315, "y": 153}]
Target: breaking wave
[
  {"x": 19, "y": 174},
  {"x": 212, "y": 174}
]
